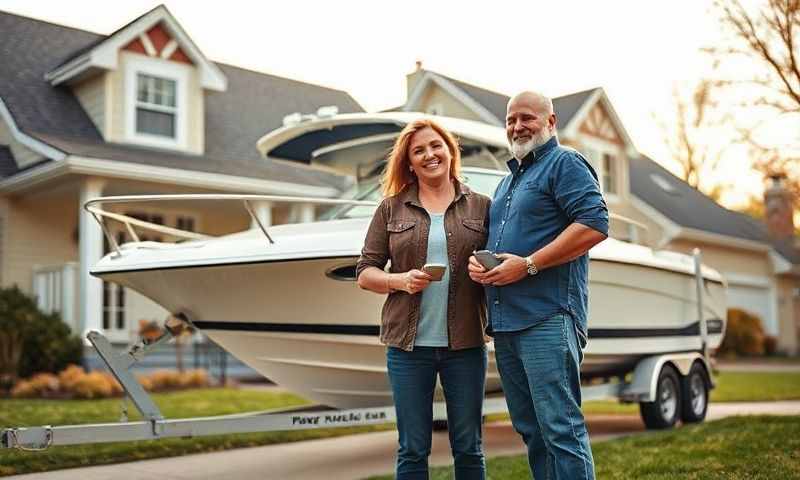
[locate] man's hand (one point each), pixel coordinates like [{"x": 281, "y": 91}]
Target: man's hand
[{"x": 513, "y": 269}]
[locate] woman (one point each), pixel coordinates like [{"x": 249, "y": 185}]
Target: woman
[{"x": 430, "y": 327}]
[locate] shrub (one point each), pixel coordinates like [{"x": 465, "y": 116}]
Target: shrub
[
  {"x": 770, "y": 345},
  {"x": 744, "y": 334},
  {"x": 32, "y": 341},
  {"x": 165, "y": 380}
]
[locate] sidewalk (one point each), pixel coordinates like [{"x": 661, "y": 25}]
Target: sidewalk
[
  {"x": 357, "y": 456},
  {"x": 755, "y": 365}
]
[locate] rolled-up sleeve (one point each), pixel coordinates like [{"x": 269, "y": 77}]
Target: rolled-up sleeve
[
  {"x": 376, "y": 244},
  {"x": 577, "y": 192}
]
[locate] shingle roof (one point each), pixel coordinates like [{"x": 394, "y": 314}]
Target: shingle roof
[
  {"x": 688, "y": 207},
  {"x": 8, "y": 166},
  {"x": 565, "y": 106},
  {"x": 261, "y": 169},
  {"x": 253, "y": 104}
]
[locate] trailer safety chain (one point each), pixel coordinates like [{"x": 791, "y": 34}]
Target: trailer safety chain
[{"x": 19, "y": 446}]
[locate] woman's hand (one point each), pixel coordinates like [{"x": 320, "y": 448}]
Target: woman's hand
[{"x": 414, "y": 281}]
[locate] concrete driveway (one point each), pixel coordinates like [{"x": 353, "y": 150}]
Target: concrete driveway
[{"x": 356, "y": 456}]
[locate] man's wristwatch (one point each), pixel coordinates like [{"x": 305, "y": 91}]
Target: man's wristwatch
[{"x": 532, "y": 269}]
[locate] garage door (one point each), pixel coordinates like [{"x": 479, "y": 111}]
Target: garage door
[{"x": 756, "y": 300}]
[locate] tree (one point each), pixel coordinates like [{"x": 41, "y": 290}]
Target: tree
[
  {"x": 764, "y": 38},
  {"x": 695, "y": 134}
]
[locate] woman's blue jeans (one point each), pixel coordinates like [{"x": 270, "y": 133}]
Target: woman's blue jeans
[
  {"x": 540, "y": 371},
  {"x": 462, "y": 374}
]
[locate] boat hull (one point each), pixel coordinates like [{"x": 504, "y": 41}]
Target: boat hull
[{"x": 318, "y": 336}]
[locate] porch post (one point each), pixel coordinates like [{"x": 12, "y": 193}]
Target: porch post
[
  {"x": 91, "y": 250},
  {"x": 263, "y": 211},
  {"x": 306, "y": 213}
]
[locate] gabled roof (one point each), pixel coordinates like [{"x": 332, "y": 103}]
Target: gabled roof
[
  {"x": 235, "y": 119},
  {"x": 566, "y": 107},
  {"x": 103, "y": 54},
  {"x": 8, "y": 166},
  {"x": 686, "y": 206}
]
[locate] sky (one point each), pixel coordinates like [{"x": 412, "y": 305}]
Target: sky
[{"x": 638, "y": 51}]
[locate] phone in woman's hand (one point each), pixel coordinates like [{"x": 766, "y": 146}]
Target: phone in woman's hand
[
  {"x": 435, "y": 270},
  {"x": 488, "y": 259}
]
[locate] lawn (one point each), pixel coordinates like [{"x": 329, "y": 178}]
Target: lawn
[
  {"x": 734, "y": 448},
  {"x": 732, "y": 386},
  {"x": 192, "y": 403}
]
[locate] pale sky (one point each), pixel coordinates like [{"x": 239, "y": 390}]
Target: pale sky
[{"x": 636, "y": 50}]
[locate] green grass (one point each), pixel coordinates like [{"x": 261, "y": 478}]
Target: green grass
[
  {"x": 732, "y": 386},
  {"x": 751, "y": 448},
  {"x": 192, "y": 403}
]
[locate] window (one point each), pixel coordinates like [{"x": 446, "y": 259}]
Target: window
[
  {"x": 608, "y": 173},
  {"x": 156, "y": 110}
]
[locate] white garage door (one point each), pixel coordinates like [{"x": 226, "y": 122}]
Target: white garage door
[{"x": 755, "y": 300}]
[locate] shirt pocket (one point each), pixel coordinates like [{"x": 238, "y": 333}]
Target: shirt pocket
[
  {"x": 536, "y": 199},
  {"x": 474, "y": 235},
  {"x": 402, "y": 244}
]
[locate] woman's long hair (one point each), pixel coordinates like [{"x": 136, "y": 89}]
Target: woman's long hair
[{"x": 397, "y": 175}]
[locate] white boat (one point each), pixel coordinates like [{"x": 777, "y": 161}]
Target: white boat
[{"x": 290, "y": 308}]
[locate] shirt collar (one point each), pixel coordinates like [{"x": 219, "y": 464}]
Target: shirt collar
[
  {"x": 410, "y": 194},
  {"x": 535, "y": 154}
]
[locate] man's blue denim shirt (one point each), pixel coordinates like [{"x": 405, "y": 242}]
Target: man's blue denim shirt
[{"x": 553, "y": 187}]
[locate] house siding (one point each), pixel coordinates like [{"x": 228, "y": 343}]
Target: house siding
[
  {"x": 23, "y": 155},
  {"x": 39, "y": 232},
  {"x": 116, "y": 93},
  {"x": 788, "y": 311},
  {"x": 196, "y": 114},
  {"x": 91, "y": 94},
  {"x": 435, "y": 95}
]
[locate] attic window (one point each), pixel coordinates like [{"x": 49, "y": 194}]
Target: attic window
[
  {"x": 156, "y": 109},
  {"x": 662, "y": 182}
]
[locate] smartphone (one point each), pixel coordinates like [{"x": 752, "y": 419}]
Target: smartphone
[
  {"x": 488, "y": 259},
  {"x": 435, "y": 270}
]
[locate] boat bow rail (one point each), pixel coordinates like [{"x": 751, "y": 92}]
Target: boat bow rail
[{"x": 95, "y": 207}]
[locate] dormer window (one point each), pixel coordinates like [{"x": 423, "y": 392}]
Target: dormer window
[
  {"x": 156, "y": 111},
  {"x": 157, "y": 101}
]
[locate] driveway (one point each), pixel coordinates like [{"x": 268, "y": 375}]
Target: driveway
[{"x": 357, "y": 456}]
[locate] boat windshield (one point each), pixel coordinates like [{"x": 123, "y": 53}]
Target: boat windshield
[{"x": 480, "y": 180}]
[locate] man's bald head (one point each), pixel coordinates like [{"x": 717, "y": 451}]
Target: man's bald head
[
  {"x": 530, "y": 122},
  {"x": 534, "y": 100}
]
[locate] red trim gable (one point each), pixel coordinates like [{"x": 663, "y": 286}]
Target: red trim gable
[
  {"x": 179, "y": 56},
  {"x": 135, "y": 46}
]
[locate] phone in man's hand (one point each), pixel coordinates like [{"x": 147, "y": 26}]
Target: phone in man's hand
[
  {"x": 435, "y": 270},
  {"x": 488, "y": 259}
]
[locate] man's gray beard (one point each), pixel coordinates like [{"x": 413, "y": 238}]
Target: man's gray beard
[{"x": 521, "y": 150}]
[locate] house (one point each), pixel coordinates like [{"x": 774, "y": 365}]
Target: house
[
  {"x": 761, "y": 262},
  {"x": 139, "y": 111}
]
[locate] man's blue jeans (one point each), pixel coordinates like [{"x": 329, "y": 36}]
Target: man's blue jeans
[
  {"x": 540, "y": 371},
  {"x": 462, "y": 374}
]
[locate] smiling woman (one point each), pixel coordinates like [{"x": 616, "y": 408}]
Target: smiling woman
[{"x": 427, "y": 217}]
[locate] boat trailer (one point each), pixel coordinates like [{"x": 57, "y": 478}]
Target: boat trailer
[{"x": 649, "y": 385}]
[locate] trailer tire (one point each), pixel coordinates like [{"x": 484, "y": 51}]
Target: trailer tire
[
  {"x": 694, "y": 394},
  {"x": 666, "y": 409}
]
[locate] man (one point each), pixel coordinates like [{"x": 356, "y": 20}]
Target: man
[{"x": 544, "y": 218}]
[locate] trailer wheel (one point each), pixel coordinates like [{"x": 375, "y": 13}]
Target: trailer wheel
[
  {"x": 665, "y": 410},
  {"x": 694, "y": 398}
]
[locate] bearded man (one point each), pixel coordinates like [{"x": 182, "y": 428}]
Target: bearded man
[{"x": 544, "y": 218}]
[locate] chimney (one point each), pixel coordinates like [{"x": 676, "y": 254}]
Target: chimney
[{"x": 778, "y": 203}]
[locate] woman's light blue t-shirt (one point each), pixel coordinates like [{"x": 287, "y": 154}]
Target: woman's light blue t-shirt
[{"x": 432, "y": 327}]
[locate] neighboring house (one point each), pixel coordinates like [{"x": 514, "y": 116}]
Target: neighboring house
[
  {"x": 139, "y": 111},
  {"x": 761, "y": 264}
]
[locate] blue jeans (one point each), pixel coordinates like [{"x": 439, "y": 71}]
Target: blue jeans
[
  {"x": 462, "y": 374},
  {"x": 540, "y": 371}
]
